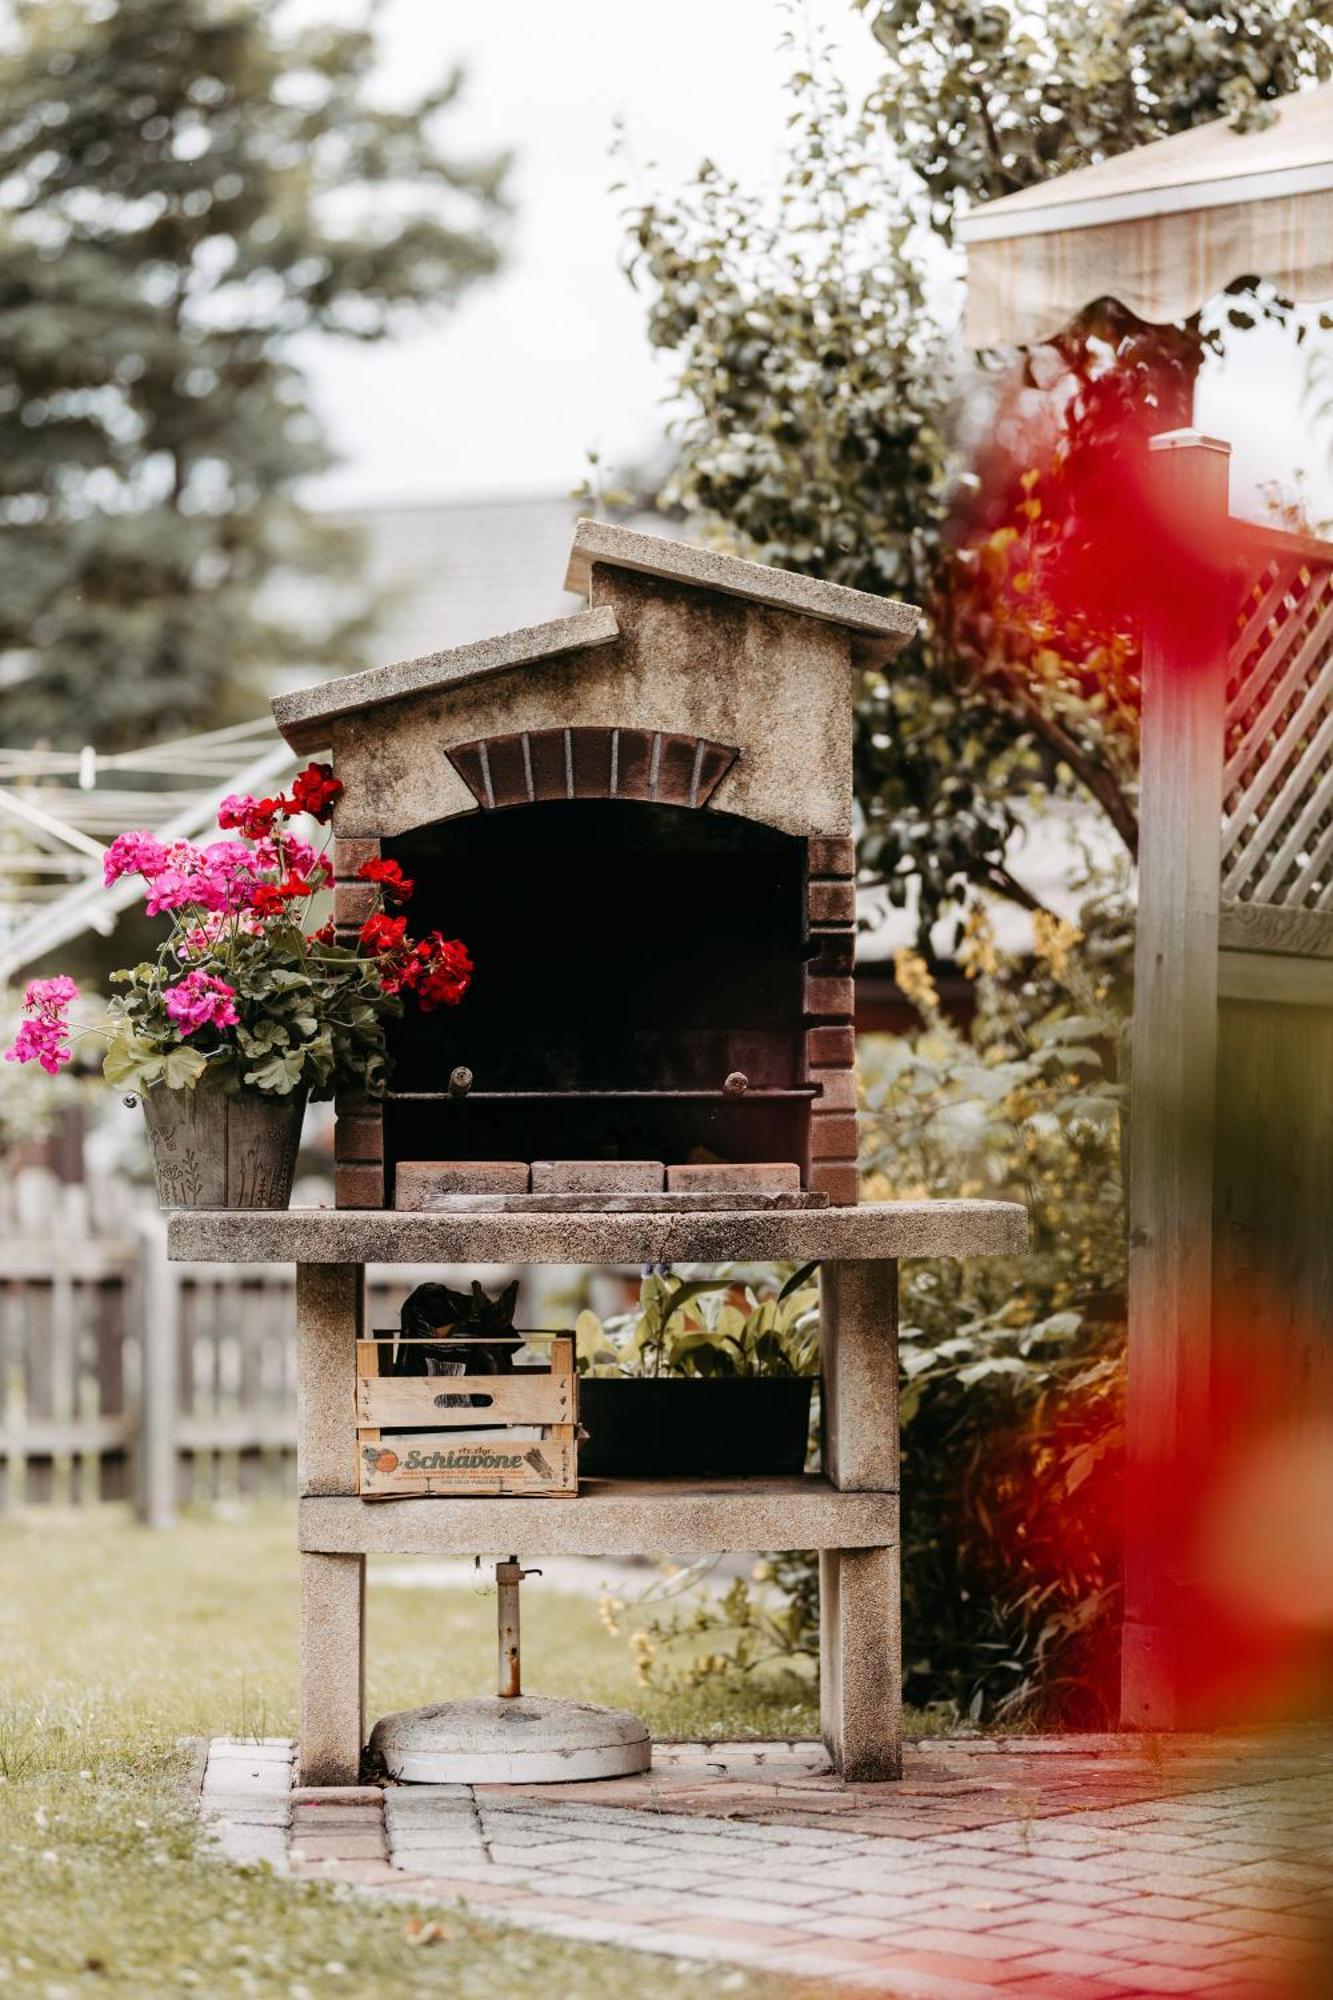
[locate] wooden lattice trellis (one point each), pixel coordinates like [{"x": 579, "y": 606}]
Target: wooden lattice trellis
[
  {"x": 1231, "y": 1177},
  {"x": 1277, "y": 788}
]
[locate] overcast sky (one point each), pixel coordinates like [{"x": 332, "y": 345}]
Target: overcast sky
[{"x": 507, "y": 394}]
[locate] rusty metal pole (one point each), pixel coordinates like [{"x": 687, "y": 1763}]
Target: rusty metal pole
[{"x": 508, "y": 1576}]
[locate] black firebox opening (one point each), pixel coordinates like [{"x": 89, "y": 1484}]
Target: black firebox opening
[{"x": 621, "y": 949}]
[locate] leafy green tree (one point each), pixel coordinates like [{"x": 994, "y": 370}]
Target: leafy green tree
[
  {"x": 187, "y": 189},
  {"x": 830, "y": 423}
]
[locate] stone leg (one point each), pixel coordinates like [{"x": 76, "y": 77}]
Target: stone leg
[
  {"x": 333, "y": 1669},
  {"x": 860, "y": 1666}
]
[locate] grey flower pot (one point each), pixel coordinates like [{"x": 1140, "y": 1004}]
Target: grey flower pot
[{"x": 215, "y": 1151}]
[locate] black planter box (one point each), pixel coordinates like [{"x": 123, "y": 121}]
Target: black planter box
[{"x": 673, "y": 1426}]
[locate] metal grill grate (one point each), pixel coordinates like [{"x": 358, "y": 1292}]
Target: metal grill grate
[{"x": 1277, "y": 795}]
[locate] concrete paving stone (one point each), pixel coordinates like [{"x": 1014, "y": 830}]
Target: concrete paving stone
[
  {"x": 968, "y": 1911},
  {"x": 1165, "y": 1979},
  {"x": 266, "y": 1749},
  {"x": 1044, "y": 1935},
  {"x": 764, "y": 1891},
  {"x": 738, "y": 1909},
  {"x": 871, "y": 1903},
  {"x": 350, "y": 1819},
  {"x": 680, "y": 1881},
  {"x": 824, "y": 1923},
  {"x": 1154, "y": 1930},
  {"x": 1079, "y": 1964},
  {"x": 363, "y": 1872},
  {"x": 248, "y": 1845},
  {"x": 234, "y": 1779},
  {"x": 247, "y": 1809},
  {"x": 988, "y": 1944},
  {"x": 449, "y": 1839},
  {"x": 1078, "y": 1894},
  {"x": 339, "y": 1846},
  {"x": 337, "y": 1797}
]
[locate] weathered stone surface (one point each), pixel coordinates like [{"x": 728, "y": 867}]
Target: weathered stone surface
[
  {"x": 860, "y": 1696},
  {"x": 523, "y": 1740},
  {"x": 882, "y": 625},
  {"x": 688, "y": 665},
  {"x": 859, "y": 1399},
  {"x": 307, "y": 717},
  {"x": 741, "y": 1177},
  {"x": 333, "y": 1668},
  {"x": 329, "y": 1320},
  {"x": 609, "y": 1518},
  {"x": 424, "y": 1184},
  {"x": 598, "y": 1176},
  {"x": 677, "y": 1202},
  {"x": 335, "y": 1236}
]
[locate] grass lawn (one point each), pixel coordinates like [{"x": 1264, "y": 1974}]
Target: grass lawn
[{"x": 114, "y": 1643}]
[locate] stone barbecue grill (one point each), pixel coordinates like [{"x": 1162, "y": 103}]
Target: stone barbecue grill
[{"x": 639, "y": 819}]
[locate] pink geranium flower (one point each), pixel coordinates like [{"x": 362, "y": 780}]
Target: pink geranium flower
[
  {"x": 44, "y": 1042},
  {"x": 133, "y": 854},
  {"x": 201, "y": 1001},
  {"x": 44, "y": 1037}
]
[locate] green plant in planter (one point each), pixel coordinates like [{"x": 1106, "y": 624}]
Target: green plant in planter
[
  {"x": 708, "y": 1327},
  {"x": 241, "y": 996}
]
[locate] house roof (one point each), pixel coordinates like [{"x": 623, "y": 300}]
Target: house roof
[
  {"x": 883, "y": 624},
  {"x": 880, "y": 625},
  {"x": 1162, "y": 227}
]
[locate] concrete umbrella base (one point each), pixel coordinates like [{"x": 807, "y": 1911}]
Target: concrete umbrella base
[{"x": 521, "y": 1740}]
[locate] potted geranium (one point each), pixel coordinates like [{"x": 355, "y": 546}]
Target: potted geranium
[{"x": 244, "y": 1013}]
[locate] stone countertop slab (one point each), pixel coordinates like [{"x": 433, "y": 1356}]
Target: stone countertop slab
[
  {"x": 874, "y": 1230},
  {"x": 608, "y": 1517}
]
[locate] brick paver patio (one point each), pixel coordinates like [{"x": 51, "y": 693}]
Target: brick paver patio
[{"x": 1075, "y": 1868}]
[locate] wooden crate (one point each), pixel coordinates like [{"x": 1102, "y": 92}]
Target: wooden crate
[{"x": 457, "y": 1451}]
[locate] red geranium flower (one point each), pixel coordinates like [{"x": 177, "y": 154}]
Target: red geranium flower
[
  {"x": 382, "y": 934},
  {"x": 324, "y": 935},
  {"x": 443, "y": 972},
  {"x": 267, "y": 900},
  {"x": 314, "y": 790},
  {"x": 253, "y": 817},
  {"x": 293, "y": 884},
  {"x": 389, "y": 877}
]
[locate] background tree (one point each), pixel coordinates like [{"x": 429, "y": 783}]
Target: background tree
[
  {"x": 185, "y": 190},
  {"x": 831, "y": 424}
]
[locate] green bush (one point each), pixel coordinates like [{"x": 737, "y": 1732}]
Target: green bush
[{"x": 1012, "y": 1368}]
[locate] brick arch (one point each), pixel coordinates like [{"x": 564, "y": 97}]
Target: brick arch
[{"x": 604, "y": 763}]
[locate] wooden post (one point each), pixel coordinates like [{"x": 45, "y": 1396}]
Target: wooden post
[
  {"x": 329, "y": 1314},
  {"x": 159, "y": 1386},
  {"x": 859, "y": 1589},
  {"x": 1174, "y": 1063}
]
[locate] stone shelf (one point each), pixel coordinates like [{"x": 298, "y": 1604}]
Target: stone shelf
[
  {"x": 874, "y": 1230},
  {"x": 609, "y": 1517}
]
